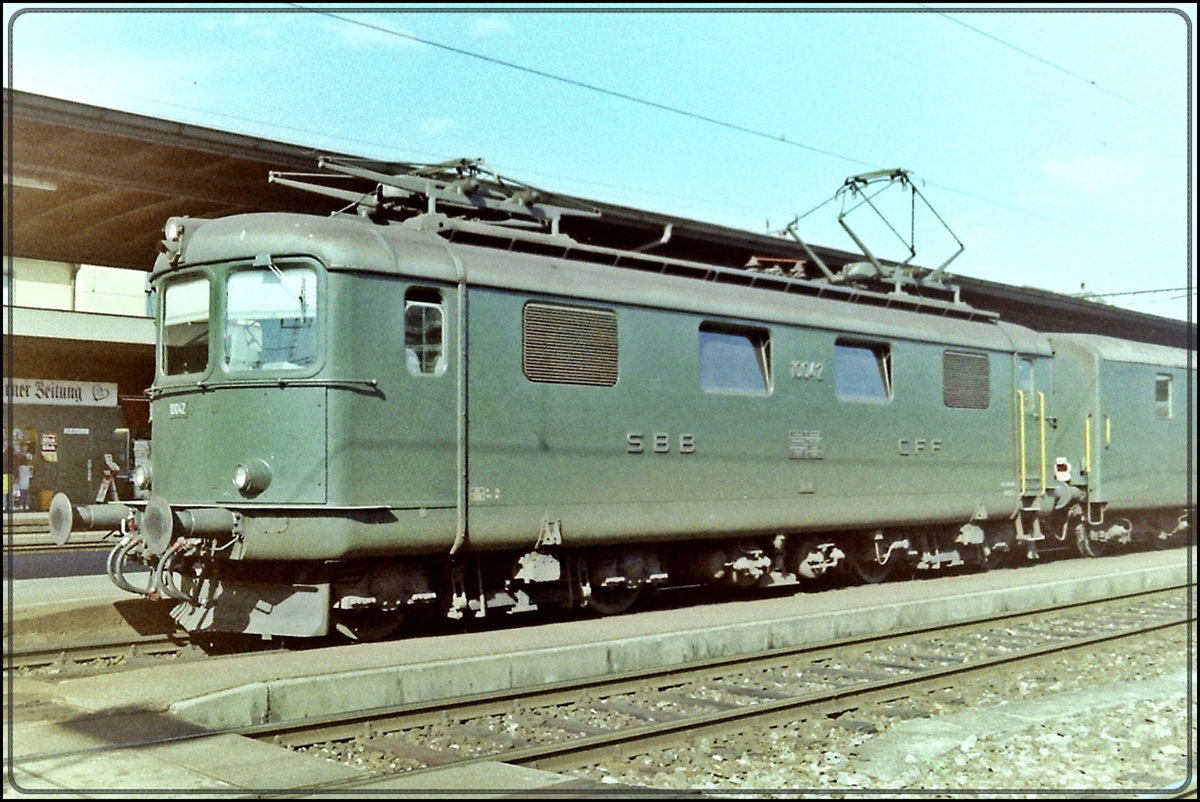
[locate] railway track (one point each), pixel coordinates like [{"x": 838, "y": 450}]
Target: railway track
[
  {"x": 574, "y": 725},
  {"x": 29, "y": 533},
  {"x": 577, "y": 726},
  {"x": 79, "y": 659}
]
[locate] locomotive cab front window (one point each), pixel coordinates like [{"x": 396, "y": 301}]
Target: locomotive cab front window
[
  {"x": 271, "y": 319},
  {"x": 185, "y": 326}
]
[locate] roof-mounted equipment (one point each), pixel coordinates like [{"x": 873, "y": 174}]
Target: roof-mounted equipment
[
  {"x": 462, "y": 183},
  {"x": 860, "y": 190}
]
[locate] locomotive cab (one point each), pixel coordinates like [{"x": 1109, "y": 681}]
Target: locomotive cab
[{"x": 295, "y": 426}]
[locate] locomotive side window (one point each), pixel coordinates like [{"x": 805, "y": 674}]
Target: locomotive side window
[
  {"x": 862, "y": 372},
  {"x": 1026, "y": 381},
  {"x": 1162, "y": 395},
  {"x": 966, "y": 382},
  {"x": 185, "y": 326},
  {"x": 423, "y": 337},
  {"x": 569, "y": 345},
  {"x": 271, "y": 319},
  {"x": 735, "y": 360}
]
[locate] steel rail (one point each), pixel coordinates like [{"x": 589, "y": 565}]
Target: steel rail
[
  {"x": 67, "y": 653},
  {"x": 638, "y": 740},
  {"x": 591, "y": 749},
  {"x": 348, "y": 725}
]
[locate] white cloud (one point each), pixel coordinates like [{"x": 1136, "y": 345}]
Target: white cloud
[
  {"x": 264, "y": 26},
  {"x": 359, "y": 37},
  {"x": 483, "y": 27},
  {"x": 437, "y": 125},
  {"x": 1093, "y": 173}
]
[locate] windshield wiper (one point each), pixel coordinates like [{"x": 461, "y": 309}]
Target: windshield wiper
[{"x": 264, "y": 260}]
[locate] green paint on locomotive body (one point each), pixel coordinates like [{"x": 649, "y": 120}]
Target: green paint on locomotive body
[{"x": 363, "y": 448}]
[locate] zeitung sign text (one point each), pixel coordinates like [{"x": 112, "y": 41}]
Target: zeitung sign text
[{"x": 60, "y": 393}]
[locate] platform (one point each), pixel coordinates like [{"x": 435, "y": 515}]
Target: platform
[{"x": 173, "y": 700}]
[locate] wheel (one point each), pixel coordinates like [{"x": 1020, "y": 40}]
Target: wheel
[
  {"x": 799, "y": 565},
  {"x": 864, "y": 565},
  {"x": 1163, "y": 533},
  {"x": 999, "y": 547},
  {"x": 982, "y": 557},
  {"x": 1085, "y": 545},
  {"x": 368, "y": 624},
  {"x": 613, "y": 600}
]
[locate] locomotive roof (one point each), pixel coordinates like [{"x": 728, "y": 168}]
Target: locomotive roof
[{"x": 348, "y": 243}]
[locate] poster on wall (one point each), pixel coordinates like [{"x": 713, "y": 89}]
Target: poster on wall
[
  {"x": 49, "y": 447},
  {"x": 54, "y": 392}
]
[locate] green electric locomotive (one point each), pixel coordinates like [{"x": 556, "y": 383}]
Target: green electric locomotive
[{"x": 370, "y": 417}]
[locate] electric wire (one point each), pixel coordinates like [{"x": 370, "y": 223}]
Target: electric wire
[
  {"x": 781, "y": 139},
  {"x": 591, "y": 87},
  {"x": 1038, "y": 58}
]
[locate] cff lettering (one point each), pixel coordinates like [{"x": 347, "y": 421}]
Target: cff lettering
[{"x": 918, "y": 447}]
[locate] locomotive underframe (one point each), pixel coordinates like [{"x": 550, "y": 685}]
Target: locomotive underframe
[{"x": 369, "y": 598}]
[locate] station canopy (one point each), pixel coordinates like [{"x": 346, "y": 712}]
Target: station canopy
[{"x": 91, "y": 185}]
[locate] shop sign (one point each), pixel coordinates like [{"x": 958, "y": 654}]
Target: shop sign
[{"x": 60, "y": 393}]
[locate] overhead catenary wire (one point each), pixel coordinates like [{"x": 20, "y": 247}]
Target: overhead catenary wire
[
  {"x": 591, "y": 87},
  {"x": 778, "y": 138},
  {"x": 1191, "y": 290},
  {"x": 1038, "y": 58}
]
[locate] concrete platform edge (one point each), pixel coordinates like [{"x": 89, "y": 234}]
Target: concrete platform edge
[{"x": 287, "y": 699}]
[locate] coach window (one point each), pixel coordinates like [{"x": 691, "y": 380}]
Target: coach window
[
  {"x": 185, "y": 326},
  {"x": 862, "y": 372},
  {"x": 734, "y": 360},
  {"x": 1162, "y": 395},
  {"x": 424, "y": 316}
]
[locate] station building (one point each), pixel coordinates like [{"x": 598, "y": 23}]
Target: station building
[{"x": 87, "y": 191}]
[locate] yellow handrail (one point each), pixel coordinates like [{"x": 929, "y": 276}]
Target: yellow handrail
[
  {"x": 1042, "y": 413},
  {"x": 1087, "y": 445},
  {"x": 1021, "y": 417}
]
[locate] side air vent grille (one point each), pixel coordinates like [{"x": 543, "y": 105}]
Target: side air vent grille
[
  {"x": 569, "y": 345},
  {"x": 965, "y": 380}
]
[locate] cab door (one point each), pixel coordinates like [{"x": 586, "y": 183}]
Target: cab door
[{"x": 1033, "y": 396}]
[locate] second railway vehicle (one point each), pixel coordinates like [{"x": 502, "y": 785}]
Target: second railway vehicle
[{"x": 367, "y": 417}]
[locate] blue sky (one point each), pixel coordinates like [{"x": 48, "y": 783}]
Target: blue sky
[{"x": 1054, "y": 144}]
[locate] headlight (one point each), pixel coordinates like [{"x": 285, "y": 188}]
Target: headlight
[
  {"x": 172, "y": 241},
  {"x": 173, "y": 230},
  {"x": 252, "y": 477},
  {"x": 142, "y": 476}
]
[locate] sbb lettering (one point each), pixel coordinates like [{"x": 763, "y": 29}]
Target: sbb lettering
[{"x": 660, "y": 443}]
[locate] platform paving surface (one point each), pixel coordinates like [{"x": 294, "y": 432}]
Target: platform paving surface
[{"x": 175, "y": 701}]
